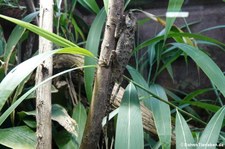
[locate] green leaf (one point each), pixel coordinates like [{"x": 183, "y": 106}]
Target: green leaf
[
  {"x": 161, "y": 114},
  {"x": 201, "y": 59},
  {"x": 15, "y": 37},
  {"x": 60, "y": 115},
  {"x": 106, "y": 6},
  {"x": 18, "y": 138},
  {"x": 129, "y": 129},
  {"x": 183, "y": 133},
  {"x": 174, "y": 6},
  {"x": 2, "y": 41},
  {"x": 24, "y": 96},
  {"x": 48, "y": 35},
  {"x": 159, "y": 38},
  {"x": 206, "y": 106},
  {"x": 196, "y": 93},
  {"x": 93, "y": 42},
  {"x": 80, "y": 115},
  {"x": 212, "y": 131},
  {"x": 19, "y": 73},
  {"x": 161, "y": 111},
  {"x": 64, "y": 140},
  {"x": 90, "y": 5}
]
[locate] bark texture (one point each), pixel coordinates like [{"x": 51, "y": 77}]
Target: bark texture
[
  {"x": 102, "y": 91},
  {"x": 67, "y": 61},
  {"x": 43, "y": 101}
]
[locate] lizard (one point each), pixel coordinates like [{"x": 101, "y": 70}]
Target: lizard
[{"x": 120, "y": 57}]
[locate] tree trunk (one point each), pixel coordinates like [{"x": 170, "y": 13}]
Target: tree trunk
[
  {"x": 102, "y": 90},
  {"x": 43, "y": 101}
]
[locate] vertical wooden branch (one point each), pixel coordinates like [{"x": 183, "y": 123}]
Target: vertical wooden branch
[
  {"x": 43, "y": 101},
  {"x": 102, "y": 90}
]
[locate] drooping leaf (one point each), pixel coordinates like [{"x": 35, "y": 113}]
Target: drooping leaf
[
  {"x": 15, "y": 37},
  {"x": 212, "y": 131},
  {"x": 211, "y": 69},
  {"x": 20, "y": 137},
  {"x": 60, "y": 115},
  {"x": 93, "y": 42},
  {"x": 195, "y": 36},
  {"x": 183, "y": 133},
  {"x": 24, "y": 96},
  {"x": 48, "y": 35},
  {"x": 19, "y": 73},
  {"x": 129, "y": 129}
]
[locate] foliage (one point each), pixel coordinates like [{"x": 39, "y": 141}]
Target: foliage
[{"x": 160, "y": 52}]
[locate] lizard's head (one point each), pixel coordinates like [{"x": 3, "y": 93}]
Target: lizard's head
[{"x": 130, "y": 20}]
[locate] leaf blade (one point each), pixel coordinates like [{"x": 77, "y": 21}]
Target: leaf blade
[{"x": 132, "y": 136}]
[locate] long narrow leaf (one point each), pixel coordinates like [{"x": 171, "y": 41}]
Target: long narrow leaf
[
  {"x": 129, "y": 129},
  {"x": 212, "y": 131},
  {"x": 23, "y": 97},
  {"x": 15, "y": 37},
  {"x": 183, "y": 133},
  {"x": 92, "y": 45},
  {"x": 174, "y": 6},
  {"x": 161, "y": 111},
  {"x": 195, "y": 36},
  {"x": 48, "y": 35},
  {"x": 211, "y": 69},
  {"x": 19, "y": 73}
]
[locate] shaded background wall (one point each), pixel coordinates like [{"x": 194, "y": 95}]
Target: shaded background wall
[{"x": 207, "y": 13}]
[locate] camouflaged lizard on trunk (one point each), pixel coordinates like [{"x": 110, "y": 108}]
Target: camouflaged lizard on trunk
[{"x": 121, "y": 56}]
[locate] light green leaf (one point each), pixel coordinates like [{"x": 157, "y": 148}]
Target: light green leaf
[
  {"x": 183, "y": 133},
  {"x": 161, "y": 111},
  {"x": 106, "y": 6},
  {"x": 93, "y": 42},
  {"x": 18, "y": 137},
  {"x": 174, "y": 6},
  {"x": 48, "y": 35},
  {"x": 19, "y": 73},
  {"x": 201, "y": 59},
  {"x": 80, "y": 115},
  {"x": 161, "y": 114},
  {"x": 15, "y": 37},
  {"x": 129, "y": 128},
  {"x": 212, "y": 130},
  {"x": 24, "y": 96}
]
